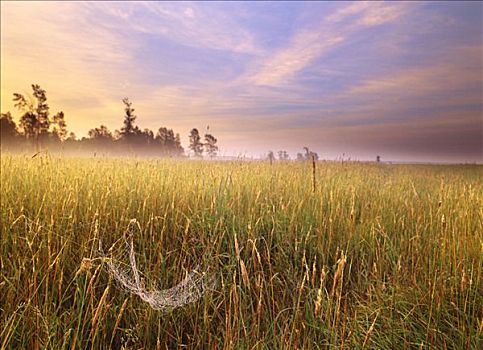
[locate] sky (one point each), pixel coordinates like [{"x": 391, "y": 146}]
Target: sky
[{"x": 402, "y": 80}]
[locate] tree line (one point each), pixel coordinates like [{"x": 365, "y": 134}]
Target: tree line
[
  {"x": 38, "y": 129},
  {"x": 283, "y": 155}
]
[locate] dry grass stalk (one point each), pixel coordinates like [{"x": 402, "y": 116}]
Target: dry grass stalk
[
  {"x": 313, "y": 173},
  {"x": 339, "y": 272},
  {"x": 369, "y": 331},
  {"x": 98, "y": 310},
  {"x": 246, "y": 280},
  {"x": 118, "y": 319},
  {"x": 318, "y": 301}
]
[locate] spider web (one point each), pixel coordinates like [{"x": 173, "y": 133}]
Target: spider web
[{"x": 192, "y": 288}]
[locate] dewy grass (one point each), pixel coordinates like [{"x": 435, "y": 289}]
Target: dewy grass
[{"x": 379, "y": 256}]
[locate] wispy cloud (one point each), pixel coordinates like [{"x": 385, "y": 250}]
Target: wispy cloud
[
  {"x": 317, "y": 40},
  {"x": 190, "y": 24},
  {"x": 370, "y": 13},
  {"x": 303, "y": 49}
]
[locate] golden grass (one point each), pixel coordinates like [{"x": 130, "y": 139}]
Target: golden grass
[{"x": 378, "y": 256}]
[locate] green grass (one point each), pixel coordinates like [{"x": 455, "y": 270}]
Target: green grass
[{"x": 411, "y": 236}]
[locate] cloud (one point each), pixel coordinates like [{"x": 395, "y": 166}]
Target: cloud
[
  {"x": 188, "y": 12},
  {"x": 315, "y": 41},
  {"x": 195, "y": 25},
  {"x": 303, "y": 49},
  {"x": 349, "y": 10},
  {"x": 370, "y": 13},
  {"x": 454, "y": 79}
]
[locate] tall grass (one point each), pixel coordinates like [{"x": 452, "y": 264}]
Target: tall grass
[{"x": 379, "y": 256}]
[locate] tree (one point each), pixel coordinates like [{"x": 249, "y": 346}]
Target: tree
[
  {"x": 163, "y": 137},
  {"x": 307, "y": 152},
  {"x": 42, "y": 109},
  {"x": 101, "y": 133},
  {"x": 36, "y": 122},
  {"x": 8, "y": 128},
  {"x": 300, "y": 156},
  {"x": 148, "y": 136},
  {"x": 309, "y": 155},
  {"x": 178, "y": 150},
  {"x": 210, "y": 145},
  {"x": 195, "y": 143},
  {"x": 28, "y": 124},
  {"x": 128, "y": 129},
  {"x": 378, "y": 159},
  {"x": 71, "y": 137},
  {"x": 271, "y": 157},
  {"x": 169, "y": 141},
  {"x": 177, "y": 142},
  {"x": 60, "y": 128},
  {"x": 283, "y": 155}
]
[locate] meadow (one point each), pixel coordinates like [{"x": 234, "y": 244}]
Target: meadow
[{"x": 379, "y": 256}]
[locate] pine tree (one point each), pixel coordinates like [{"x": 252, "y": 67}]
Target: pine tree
[{"x": 128, "y": 129}]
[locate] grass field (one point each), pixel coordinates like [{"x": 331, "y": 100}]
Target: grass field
[{"x": 380, "y": 256}]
